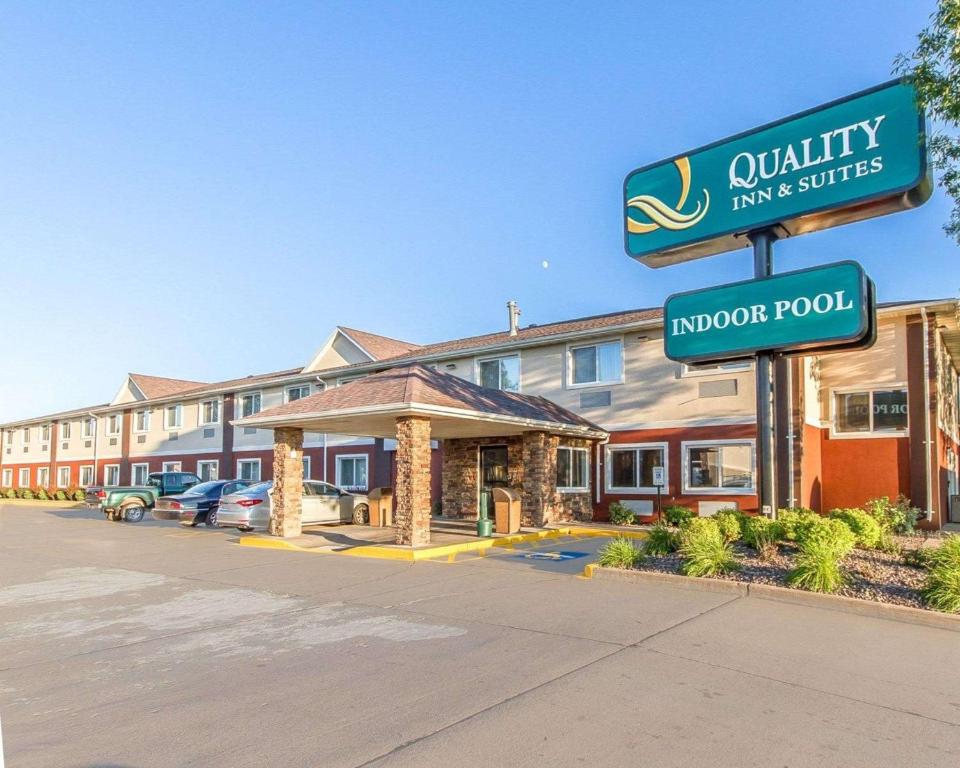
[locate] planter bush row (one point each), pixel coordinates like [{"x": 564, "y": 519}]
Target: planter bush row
[{"x": 44, "y": 494}]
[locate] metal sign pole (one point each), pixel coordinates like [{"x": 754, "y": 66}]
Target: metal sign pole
[{"x": 766, "y": 446}]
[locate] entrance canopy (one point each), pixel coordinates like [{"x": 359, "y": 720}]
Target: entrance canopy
[{"x": 370, "y": 407}]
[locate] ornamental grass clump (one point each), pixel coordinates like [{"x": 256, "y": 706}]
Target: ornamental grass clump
[
  {"x": 620, "y": 553},
  {"x": 677, "y": 515},
  {"x": 942, "y": 588},
  {"x": 866, "y": 530},
  {"x": 704, "y": 550},
  {"x": 662, "y": 540},
  {"x": 730, "y": 522},
  {"x": 621, "y": 515},
  {"x": 762, "y": 534},
  {"x": 823, "y": 545}
]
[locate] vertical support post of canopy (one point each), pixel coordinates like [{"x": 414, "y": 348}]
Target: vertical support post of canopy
[
  {"x": 287, "y": 481},
  {"x": 766, "y": 442},
  {"x": 412, "y": 493}
]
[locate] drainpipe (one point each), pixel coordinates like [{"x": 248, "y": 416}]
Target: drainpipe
[
  {"x": 324, "y": 457},
  {"x": 926, "y": 412},
  {"x": 96, "y": 438},
  {"x": 596, "y": 465},
  {"x": 791, "y": 438}
]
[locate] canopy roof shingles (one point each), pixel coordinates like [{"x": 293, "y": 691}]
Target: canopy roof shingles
[{"x": 457, "y": 408}]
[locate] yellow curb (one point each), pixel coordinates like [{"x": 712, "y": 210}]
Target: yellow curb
[{"x": 588, "y": 570}]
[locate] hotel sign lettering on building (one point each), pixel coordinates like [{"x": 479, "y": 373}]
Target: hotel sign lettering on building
[
  {"x": 853, "y": 159},
  {"x": 812, "y": 309}
]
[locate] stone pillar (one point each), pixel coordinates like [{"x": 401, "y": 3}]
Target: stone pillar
[
  {"x": 539, "y": 477},
  {"x": 287, "y": 481},
  {"x": 411, "y": 496}
]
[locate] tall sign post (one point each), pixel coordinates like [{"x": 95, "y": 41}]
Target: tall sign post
[{"x": 849, "y": 160}]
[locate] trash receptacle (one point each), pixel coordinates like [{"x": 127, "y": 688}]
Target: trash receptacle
[
  {"x": 506, "y": 503},
  {"x": 381, "y": 506}
]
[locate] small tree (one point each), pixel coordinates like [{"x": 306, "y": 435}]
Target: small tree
[{"x": 934, "y": 68}]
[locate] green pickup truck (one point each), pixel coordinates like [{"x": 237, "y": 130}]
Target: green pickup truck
[{"x": 131, "y": 502}]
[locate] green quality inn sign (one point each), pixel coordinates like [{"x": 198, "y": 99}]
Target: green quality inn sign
[
  {"x": 853, "y": 159},
  {"x": 823, "y": 307}
]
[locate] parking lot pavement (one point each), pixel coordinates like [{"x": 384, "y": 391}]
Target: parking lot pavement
[{"x": 152, "y": 645}]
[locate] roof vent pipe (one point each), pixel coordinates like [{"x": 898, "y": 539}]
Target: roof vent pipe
[{"x": 514, "y": 312}]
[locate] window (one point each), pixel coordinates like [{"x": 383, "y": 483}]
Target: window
[
  {"x": 630, "y": 467},
  {"x": 880, "y": 410},
  {"x": 7, "y": 480},
  {"x": 572, "y": 470},
  {"x": 500, "y": 373},
  {"x": 210, "y": 412},
  {"x": 113, "y": 424},
  {"x": 23, "y": 481},
  {"x": 63, "y": 477},
  {"x": 718, "y": 467},
  {"x": 306, "y": 467},
  {"x": 298, "y": 392},
  {"x": 111, "y": 474},
  {"x": 208, "y": 470},
  {"x": 43, "y": 477},
  {"x": 141, "y": 421},
  {"x": 249, "y": 469},
  {"x": 45, "y": 433},
  {"x": 140, "y": 473},
  {"x": 352, "y": 472},
  {"x": 172, "y": 466},
  {"x": 9, "y": 437},
  {"x": 596, "y": 364},
  {"x": 86, "y": 475},
  {"x": 88, "y": 428},
  {"x": 26, "y": 434},
  {"x": 65, "y": 430},
  {"x": 249, "y": 404},
  {"x": 716, "y": 368},
  {"x": 173, "y": 416}
]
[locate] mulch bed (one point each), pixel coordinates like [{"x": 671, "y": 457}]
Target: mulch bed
[{"x": 871, "y": 575}]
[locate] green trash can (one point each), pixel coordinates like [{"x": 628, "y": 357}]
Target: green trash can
[{"x": 484, "y": 523}]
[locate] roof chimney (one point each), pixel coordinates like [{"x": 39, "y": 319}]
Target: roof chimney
[{"x": 514, "y": 312}]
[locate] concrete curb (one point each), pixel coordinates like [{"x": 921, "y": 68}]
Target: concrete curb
[
  {"x": 46, "y": 503},
  {"x": 853, "y": 605}
]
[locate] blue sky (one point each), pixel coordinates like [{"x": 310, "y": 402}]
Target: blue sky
[{"x": 203, "y": 190}]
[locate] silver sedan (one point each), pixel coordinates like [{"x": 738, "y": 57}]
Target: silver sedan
[{"x": 249, "y": 509}]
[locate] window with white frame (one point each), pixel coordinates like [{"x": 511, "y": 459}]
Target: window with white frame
[
  {"x": 210, "y": 412},
  {"x": 45, "y": 433},
  {"x": 297, "y": 392},
  {"x": 249, "y": 404},
  {"x": 208, "y": 470},
  {"x": 23, "y": 481},
  {"x": 248, "y": 469},
  {"x": 500, "y": 373},
  {"x": 86, "y": 430},
  {"x": 141, "y": 421},
  {"x": 596, "y": 364},
  {"x": 63, "y": 477},
  {"x": 86, "y": 475},
  {"x": 718, "y": 467},
  {"x": 172, "y": 466},
  {"x": 870, "y": 411},
  {"x": 111, "y": 474},
  {"x": 9, "y": 437},
  {"x": 630, "y": 467},
  {"x": 66, "y": 428},
  {"x": 713, "y": 369},
  {"x": 113, "y": 424},
  {"x": 43, "y": 477},
  {"x": 573, "y": 470},
  {"x": 7, "y": 480},
  {"x": 26, "y": 435},
  {"x": 139, "y": 473},
  {"x": 306, "y": 468},
  {"x": 352, "y": 472},
  {"x": 173, "y": 416}
]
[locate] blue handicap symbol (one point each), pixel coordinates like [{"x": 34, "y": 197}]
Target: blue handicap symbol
[{"x": 555, "y": 556}]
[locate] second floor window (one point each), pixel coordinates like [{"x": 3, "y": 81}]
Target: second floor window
[
  {"x": 500, "y": 373},
  {"x": 26, "y": 434},
  {"x": 210, "y": 412},
  {"x": 45, "y": 433},
  {"x": 65, "y": 430},
  {"x": 172, "y": 416},
  {"x": 113, "y": 424},
  {"x": 141, "y": 421},
  {"x": 298, "y": 392},
  {"x": 597, "y": 363},
  {"x": 9, "y": 437},
  {"x": 250, "y": 404},
  {"x": 879, "y": 410},
  {"x": 87, "y": 430}
]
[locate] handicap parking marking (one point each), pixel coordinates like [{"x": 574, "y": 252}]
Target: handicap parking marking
[{"x": 552, "y": 556}]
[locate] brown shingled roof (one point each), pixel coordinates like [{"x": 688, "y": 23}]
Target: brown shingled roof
[
  {"x": 160, "y": 386},
  {"x": 379, "y": 346}
]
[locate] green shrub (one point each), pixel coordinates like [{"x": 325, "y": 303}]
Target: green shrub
[
  {"x": 60, "y": 495},
  {"x": 26, "y": 493},
  {"x": 9, "y": 493},
  {"x": 41, "y": 494},
  {"x": 796, "y": 521},
  {"x": 78, "y": 495},
  {"x": 823, "y": 545},
  {"x": 620, "y": 553},
  {"x": 730, "y": 522},
  {"x": 895, "y": 517},
  {"x": 942, "y": 589},
  {"x": 947, "y": 555},
  {"x": 662, "y": 540},
  {"x": 621, "y": 515},
  {"x": 762, "y": 534},
  {"x": 704, "y": 550},
  {"x": 866, "y": 529},
  {"x": 677, "y": 515}
]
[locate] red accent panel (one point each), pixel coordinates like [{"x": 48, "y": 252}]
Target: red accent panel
[{"x": 857, "y": 470}]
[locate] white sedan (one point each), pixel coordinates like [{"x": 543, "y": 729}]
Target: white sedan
[{"x": 322, "y": 502}]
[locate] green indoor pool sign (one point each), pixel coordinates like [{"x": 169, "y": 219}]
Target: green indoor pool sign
[
  {"x": 820, "y": 308},
  {"x": 853, "y": 159}
]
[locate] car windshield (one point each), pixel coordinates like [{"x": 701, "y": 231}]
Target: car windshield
[{"x": 201, "y": 489}]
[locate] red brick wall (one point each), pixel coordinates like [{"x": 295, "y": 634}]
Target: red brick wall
[
  {"x": 811, "y": 468},
  {"x": 856, "y": 470}
]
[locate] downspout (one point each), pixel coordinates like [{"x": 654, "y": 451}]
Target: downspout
[
  {"x": 926, "y": 412},
  {"x": 791, "y": 438},
  {"x": 96, "y": 439}
]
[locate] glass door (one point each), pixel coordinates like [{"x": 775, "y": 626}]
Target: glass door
[{"x": 493, "y": 473}]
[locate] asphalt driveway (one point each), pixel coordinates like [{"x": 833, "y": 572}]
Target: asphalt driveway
[{"x": 151, "y": 645}]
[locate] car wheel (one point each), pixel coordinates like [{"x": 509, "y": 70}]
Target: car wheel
[
  {"x": 361, "y": 514},
  {"x": 212, "y": 518},
  {"x": 134, "y": 514}
]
